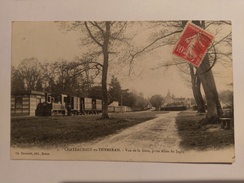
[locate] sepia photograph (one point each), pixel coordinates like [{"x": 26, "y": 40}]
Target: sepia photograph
[{"x": 137, "y": 91}]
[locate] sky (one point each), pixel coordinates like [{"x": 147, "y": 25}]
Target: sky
[{"x": 46, "y": 42}]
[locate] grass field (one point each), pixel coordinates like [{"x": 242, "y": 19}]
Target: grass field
[
  {"x": 195, "y": 136},
  {"x": 62, "y": 130}
]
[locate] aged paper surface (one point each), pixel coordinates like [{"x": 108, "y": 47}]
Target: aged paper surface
[
  {"x": 52, "y": 62},
  {"x": 101, "y": 171}
]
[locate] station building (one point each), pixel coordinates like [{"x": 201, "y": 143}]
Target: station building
[{"x": 25, "y": 103}]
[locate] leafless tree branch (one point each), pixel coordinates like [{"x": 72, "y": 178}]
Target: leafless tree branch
[
  {"x": 91, "y": 35},
  {"x": 152, "y": 43}
]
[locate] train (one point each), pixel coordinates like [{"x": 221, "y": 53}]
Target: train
[{"x": 61, "y": 104}]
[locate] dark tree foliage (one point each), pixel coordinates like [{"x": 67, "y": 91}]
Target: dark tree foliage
[
  {"x": 115, "y": 91},
  {"x": 95, "y": 92},
  {"x": 134, "y": 100},
  {"x": 156, "y": 101},
  {"x": 226, "y": 97},
  {"x": 58, "y": 77},
  {"x": 27, "y": 76},
  {"x": 17, "y": 81}
]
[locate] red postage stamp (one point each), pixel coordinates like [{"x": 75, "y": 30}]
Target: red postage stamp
[{"x": 193, "y": 44}]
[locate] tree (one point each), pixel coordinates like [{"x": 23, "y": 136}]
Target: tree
[
  {"x": 30, "y": 71},
  {"x": 202, "y": 75},
  {"x": 39, "y": 86},
  {"x": 101, "y": 35},
  {"x": 156, "y": 101},
  {"x": 95, "y": 92},
  {"x": 226, "y": 97},
  {"x": 206, "y": 77},
  {"x": 115, "y": 91},
  {"x": 196, "y": 90},
  {"x": 140, "y": 103},
  {"x": 102, "y": 39},
  {"x": 66, "y": 78},
  {"x": 214, "y": 55},
  {"x": 17, "y": 81},
  {"x": 128, "y": 98},
  {"x": 134, "y": 100}
]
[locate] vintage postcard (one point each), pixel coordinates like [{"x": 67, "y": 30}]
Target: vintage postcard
[{"x": 145, "y": 91}]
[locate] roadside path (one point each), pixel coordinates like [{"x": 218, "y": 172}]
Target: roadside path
[
  {"x": 158, "y": 133},
  {"x": 156, "y": 140}
]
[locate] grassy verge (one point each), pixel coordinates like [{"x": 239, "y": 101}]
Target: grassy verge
[
  {"x": 62, "y": 130},
  {"x": 199, "y": 137}
]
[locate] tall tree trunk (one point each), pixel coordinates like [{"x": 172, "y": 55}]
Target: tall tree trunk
[
  {"x": 198, "y": 88},
  {"x": 214, "y": 110},
  {"x": 196, "y": 84},
  {"x": 87, "y": 78},
  {"x": 105, "y": 72},
  {"x": 206, "y": 77}
]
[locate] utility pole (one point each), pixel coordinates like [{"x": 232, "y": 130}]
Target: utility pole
[{"x": 121, "y": 102}]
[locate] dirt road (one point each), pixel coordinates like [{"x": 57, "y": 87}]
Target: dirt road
[
  {"x": 158, "y": 133},
  {"x": 156, "y": 140}
]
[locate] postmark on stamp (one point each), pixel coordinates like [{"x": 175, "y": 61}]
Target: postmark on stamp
[{"x": 193, "y": 44}]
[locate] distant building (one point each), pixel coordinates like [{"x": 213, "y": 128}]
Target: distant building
[
  {"x": 114, "y": 107},
  {"x": 114, "y": 104},
  {"x": 170, "y": 99}
]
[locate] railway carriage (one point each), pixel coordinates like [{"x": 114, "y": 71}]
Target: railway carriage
[
  {"x": 68, "y": 105},
  {"x": 90, "y": 105},
  {"x": 73, "y": 105}
]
